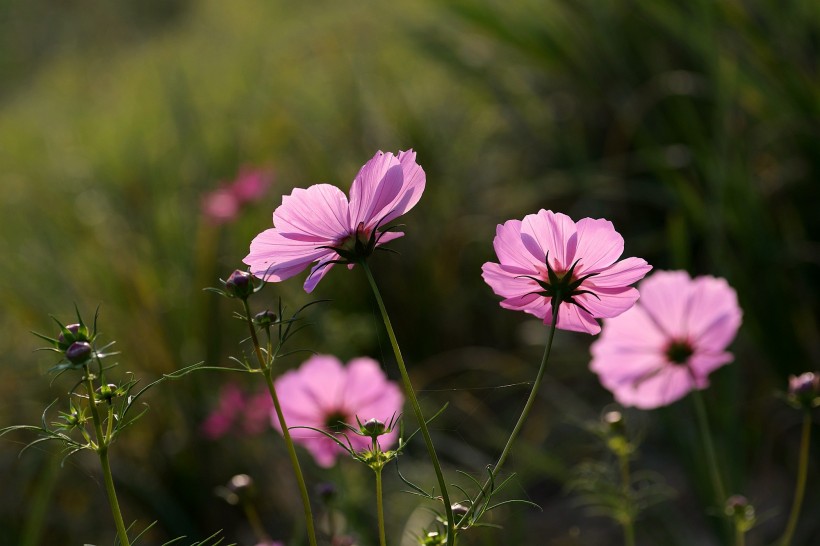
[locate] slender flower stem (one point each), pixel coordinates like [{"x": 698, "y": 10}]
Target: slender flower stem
[
  {"x": 380, "y": 507},
  {"x": 521, "y": 419},
  {"x": 411, "y": 395},
  {"x": 706, "y": 437},
  {"x": 294, "y": 460},
  {"x": 102, "y": 452},
  {"x": 255, "y": 521},
  {"x": 626, "y": 481},
  {"x": 800, "y": 487},
  {"x": 740, "y": 536}
]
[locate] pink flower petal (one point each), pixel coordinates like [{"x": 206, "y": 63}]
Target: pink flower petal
[
  {"x": 274, "y": 257},
  {"x": 623, "y": 273},
  {"x": 511, "y": 250},
  {"x": 550, "y": 232},
  {"x": 665, "y": 297},
  {"x": 319, "y": 214},
  {"x": 608, "y": 302},
  {"x": 670, "y": 384},
  {"x": 598, "y": 245},
  {"x": 375, "y": 187},
  {"x": 505, "y": 283},
  {"x": 714, "y": 315}
]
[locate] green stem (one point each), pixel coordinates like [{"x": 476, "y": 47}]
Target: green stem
[
  {"x": 294, "y": 460},
  {"x": 102, "y": 452},
  {"x": 706, "y": 437},
  {"x": 521, "y": 419},
  {"x": 800, "y": 487},
  {"x": 380, "y": 507},
  {"x": 411, "y": 395},
  {"x": 740, "y": 535},
  {"x": 255, "y": 521},
  {"x": 629, "y": 530}
]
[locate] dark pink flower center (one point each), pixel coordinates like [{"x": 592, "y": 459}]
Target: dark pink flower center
[
  {"x": 334, "y": 422},
  {"x": 679, "y": 351}
]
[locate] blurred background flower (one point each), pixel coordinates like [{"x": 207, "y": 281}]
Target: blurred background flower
[{"x": 692, "y": 126}]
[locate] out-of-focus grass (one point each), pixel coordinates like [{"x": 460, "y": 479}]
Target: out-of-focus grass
[{"x": 692, "y": 126}]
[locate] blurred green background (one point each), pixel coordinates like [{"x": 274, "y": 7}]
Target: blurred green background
[{"x": 693, "y": 126}]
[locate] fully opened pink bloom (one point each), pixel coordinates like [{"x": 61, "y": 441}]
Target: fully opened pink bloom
[
  {"x": 669, "y": 342},
  {"x": 323, "y": 392},
  {"x": 548, "y": 256},
  {"x": 319, "y": 224}
]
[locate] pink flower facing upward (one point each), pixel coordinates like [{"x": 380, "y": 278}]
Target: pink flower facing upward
[
  {"x": 319, "y": 224},
  {"x": 223, "y": 204},
  {"x": 669, "y": 342},
  {"x": 237, "y": 412},
  {"x": 322, "y": 393},
  {"x": 548, "y": 258}
]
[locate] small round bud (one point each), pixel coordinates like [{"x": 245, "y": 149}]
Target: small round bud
[
  {"x": 804, "y": 390},
  {"x": 239, "y": 284},
  {"x": 239, "y": 489},
  {"x": 73, "y": 328},
  {"x": 107, "y": 392},
  {"x": 741, "y": 511},
  {"x": 78, "y": 352},
  {"x": 240, "y": 483},
  {"x": 326, "y": 492},
  {"x": 459, "y": 509},
  {"x": 264, "y": 318},
  {"x": 373, "y": 428},
  {"x": 615, "y": 421}
]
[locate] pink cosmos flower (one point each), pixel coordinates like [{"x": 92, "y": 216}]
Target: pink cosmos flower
[
  {"x": 669, "y": 342},
  {"x": 320, "y": 225},
  {"x": 238, "y": 412},
  {"x": 548, "y": 257},
  {"x": 223, "y": 204},
  {"x": 322, "y": 393}
]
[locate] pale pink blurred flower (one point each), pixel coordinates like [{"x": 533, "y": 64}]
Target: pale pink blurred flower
[
  {"x": 669, "y": 342},
  {"x": 322, "y": 392},
  {"x": 223, "y": 204},
  {"x": 319, "y": 224},
  {"x": 549, "y": 253},
  {"x": 238, "y": 412}
]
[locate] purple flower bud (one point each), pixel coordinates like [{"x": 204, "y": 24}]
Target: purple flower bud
[
  {"x": 373, "y": 428},
  {"x": 239, "y": 284},
  {"x": 804, "y": 390},
  {"x": 326, "y": 492},
  {"x": 459, "y": 509},
  {"x": 264, "y": 318},
  {"x": 79, "y": 352},
  {"x": 73, "y": 328}
]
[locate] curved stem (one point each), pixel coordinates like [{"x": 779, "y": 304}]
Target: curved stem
[
  {"x": 294, "y": 460},
  {"x": 521, "y": 419},
  {"x": 102, "y": 452},
  {"x": 800, "y": 487},
  {"x": 411, "y": 395}
]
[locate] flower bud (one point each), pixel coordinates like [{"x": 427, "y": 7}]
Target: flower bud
[
  {"x": 239, "y": 489},
  {"x": 326, "y": 492},
  {"x": 264, "y": 318},
  {"x": 373, "y": 428},
  {"x": 459, "y": 509},
  {"x": 79, "y": 352},
  {"x": 74, "y": 329},
  {"x": 239, "y": 285},
  {"x": 614, "y": 420},
  {"x": 741, "y": 511},
  {"x": 804, "y": 390},
  {"x": 107, "y": 392}
]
